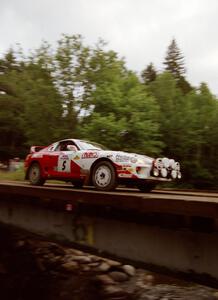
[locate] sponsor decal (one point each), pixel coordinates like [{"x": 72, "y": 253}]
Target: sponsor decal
[
  {"x": 125, "y": 175},
  {"x": 76, "y": 157},
  {"x": 122, "y": 158},
  {"x": 88, "y": 155},
  {"x": 64, "y": 157}
]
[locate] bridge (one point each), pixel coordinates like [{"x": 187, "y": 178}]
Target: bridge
[{"x": 175, "y": 230}]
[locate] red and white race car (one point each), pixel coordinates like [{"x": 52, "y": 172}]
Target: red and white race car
[{"x": 83, "y": 162}]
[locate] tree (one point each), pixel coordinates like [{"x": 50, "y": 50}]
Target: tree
[
  {"x": 174, "y": 63},
  {"x": 43, "y": 111},
  {"x": 70, "y": 68},
  {"x": 11, "y": 122},
  {"x": 31, "y": 107},
  {"x": 149, "y": 74},
  {"x": 124, "y": 116}
]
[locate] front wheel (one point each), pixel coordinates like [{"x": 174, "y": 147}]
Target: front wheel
[
  {"x": 104, "y": 176},
  {"x": 34, "y": 175},
  {"x": 146, "y": 187}
]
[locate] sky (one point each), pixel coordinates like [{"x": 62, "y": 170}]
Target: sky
[{"x": 138, "y": 30}]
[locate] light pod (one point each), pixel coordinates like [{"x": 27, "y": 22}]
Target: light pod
[{"x": 163, "y": 172}]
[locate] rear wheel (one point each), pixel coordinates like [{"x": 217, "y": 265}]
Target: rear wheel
[
  {"x": 34, "y": 175},
  {"x": 146, "y": 187},
  {"x": 104, "y": 176}
]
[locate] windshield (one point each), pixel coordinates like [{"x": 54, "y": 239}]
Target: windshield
[{"x": 84, "y": 145}]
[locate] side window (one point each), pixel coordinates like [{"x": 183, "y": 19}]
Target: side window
[
  {"x": 53, "y": 147},
  {"x": 63, "y": 145}
]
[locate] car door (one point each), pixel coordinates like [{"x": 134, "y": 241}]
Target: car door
[{"x": 66, "y": 167}]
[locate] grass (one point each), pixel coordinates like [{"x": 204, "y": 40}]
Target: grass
[{"x": 17, "y": 175}]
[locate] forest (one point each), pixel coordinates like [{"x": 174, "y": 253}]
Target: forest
[{"x": 73, "y": 90}]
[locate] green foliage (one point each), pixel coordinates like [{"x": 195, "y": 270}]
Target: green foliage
[
  {"x": 74, "y": 90},
  {"x": 124, "y": 116},
  {"x": 43, "y": 109}
]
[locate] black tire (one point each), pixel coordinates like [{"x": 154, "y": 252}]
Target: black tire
[
  {"x": 34, "y": 174},
  {"x": 146, "y": 187},
  {"x": 104, "y": 176}
]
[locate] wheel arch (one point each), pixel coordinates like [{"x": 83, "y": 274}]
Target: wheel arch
[
  {"x": 27, "y": 171},
  {"x": 101, "y": 159}
]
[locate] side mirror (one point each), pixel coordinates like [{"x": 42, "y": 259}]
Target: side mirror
[{"x": 71, "y": 148}]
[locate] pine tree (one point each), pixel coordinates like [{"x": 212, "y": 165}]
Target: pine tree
[
  {"x": 149, "y": 74},
  {"x": 174, "y": 61}
]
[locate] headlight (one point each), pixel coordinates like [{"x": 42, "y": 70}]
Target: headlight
[
  {"x": 166, "y": 162},
  {"x": 163, "y": 172}
]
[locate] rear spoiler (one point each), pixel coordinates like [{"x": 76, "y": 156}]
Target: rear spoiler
[{"x": 34, "y": 149}]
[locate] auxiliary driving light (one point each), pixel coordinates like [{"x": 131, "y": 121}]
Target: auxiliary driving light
[
  {"x": 163, "y": 172},
  {"x": 174, "y": 174},
  {"x": 179, "y": 175},
  {"x": 158, "y": 163},
  {"x": 172, "y": 162},
  {"x": 155, "y": 172},
  {"x": 166, "y": 162},
  {"x": 177, "y": 166}
]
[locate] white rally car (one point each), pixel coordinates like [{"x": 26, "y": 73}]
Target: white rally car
[{"x": 83, "y": 162}]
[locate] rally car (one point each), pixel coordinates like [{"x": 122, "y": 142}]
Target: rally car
[{"x": 83, "y": 162}]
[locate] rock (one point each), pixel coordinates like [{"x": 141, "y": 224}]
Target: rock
[
  {"x": 118, "y": 276},
  {"x": 105, "y": 279},
  {"x": 94, "y": 264},
  {"x": 51, "y": 256},
  {"x": 111, "y": 290},
  {"x": 56, "y": 259},
  {"x": 112, "y": 263},
  {"x": 79, "y": 258},
  {"x": 129, "y": 270},
  {"x": 85, "y": 268},
  {"x": 68, "y": 257},
  {"x": 55, "y": 249},
  {"x": 148, "y": 279},
  {"x": 103, "y": 267},
  {"x": 82, "y": 259},
  {"x": 95, "y": 258},
  {"x": 73, "y": 251},
  {"x": 70, "y": 266}
]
